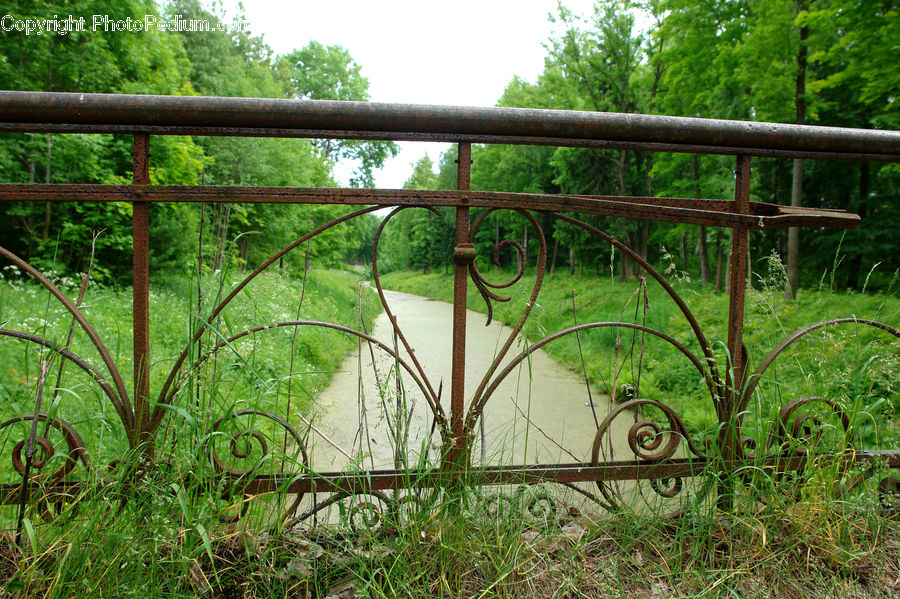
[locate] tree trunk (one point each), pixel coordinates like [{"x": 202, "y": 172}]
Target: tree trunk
[
  {"x": 553, "y": 258},
  {"x": 793, "y": 258},
  {"x": 720, "y": 258},
  {"x": 45, "y": 232},
  {"x": 645, "y": 237},
  {"x": 571, "y": 261},
  {"x": 701, "y": 229}
]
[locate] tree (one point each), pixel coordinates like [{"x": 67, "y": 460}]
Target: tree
[{"x": 319, "y": 72}]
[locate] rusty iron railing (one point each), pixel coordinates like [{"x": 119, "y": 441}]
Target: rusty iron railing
[{"x": 662, "y": 454}]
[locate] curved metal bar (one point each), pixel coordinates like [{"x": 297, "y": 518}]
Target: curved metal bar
[
  {"x": 335, "y": 498},
  {"x": 689, "y": 316},
  {"x": 75, "y": 359},
  {"x": 753, "y": 379},
  {"x": 644, "y": 440},
  {"x": 539, "y": 278},
  {"x": 436, "y": 409},
  {"x": 179, "y": 362},
  {"x": 125, "y": 413},
  {"x": 678, "y": 431},
  {"x": 387, "y": 309},
  {"x": 786, "y": 417},
  {"x": 476, "y": 408},
  {"x": 220, "y": 465},
  {"x": 77, "y": 451},
  {"x": 482, "y": 283},
  {"x": 587, "y": 494}
]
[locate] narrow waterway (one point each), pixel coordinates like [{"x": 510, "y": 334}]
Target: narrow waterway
[{"x": 539, "y": 414}]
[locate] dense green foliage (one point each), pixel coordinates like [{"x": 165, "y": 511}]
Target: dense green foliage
[
  {"x": 817, "y": 62},
  {"x": 215, "y": 63}
]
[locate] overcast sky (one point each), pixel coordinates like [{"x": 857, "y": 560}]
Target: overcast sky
[{"x": 459, "y": 52}]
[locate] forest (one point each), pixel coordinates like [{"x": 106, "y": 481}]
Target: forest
[{"x": 824, "y": 62}]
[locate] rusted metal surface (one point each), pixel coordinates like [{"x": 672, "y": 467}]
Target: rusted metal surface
[
  {"x": 660, "y": 450},
  {"x": 141, "y": 288},
  {"x": 114, "y": 109},
  {"x": 737, "y": 286},
  {"x": 760, "y": 215},
  {"x": 463, "y": 258},
  {"x": 595, "y": 144}
]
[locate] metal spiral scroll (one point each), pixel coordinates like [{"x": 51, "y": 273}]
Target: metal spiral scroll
[
  {"x": 480, "y": 397},
  {"x": 649, "y": 442},
  {"x": 363, "y": 510},
  {"x": 798, "y": 432},
  {"x": 484, "y": 286},
  {"x": 45, "y": 449},
  {"x": 241, "y": 445}
]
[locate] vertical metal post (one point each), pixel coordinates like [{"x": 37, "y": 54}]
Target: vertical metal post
[
  {"x": 141, "y": 288},
  {"x": 737, "y": 289},
  {"x": 463, "y": 255}
]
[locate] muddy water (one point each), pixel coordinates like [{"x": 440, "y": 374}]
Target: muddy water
[{"x": 539, "y": 414}]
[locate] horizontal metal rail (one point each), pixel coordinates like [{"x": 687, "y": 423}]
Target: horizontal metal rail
[
  {"x": 110, "y": 113},
  {"x": 695, "y": 211},
  {"x": 358, "y": 482}
]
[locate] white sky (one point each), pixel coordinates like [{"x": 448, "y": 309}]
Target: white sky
[{"x": 459, "y": 52}]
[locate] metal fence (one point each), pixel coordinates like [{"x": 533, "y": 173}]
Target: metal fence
[{"x": 663, "y": 453}]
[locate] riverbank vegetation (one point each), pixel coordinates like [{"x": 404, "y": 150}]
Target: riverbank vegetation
[
  {"x": 272, "y": 369},
  {"x": 862, "y": 364}
]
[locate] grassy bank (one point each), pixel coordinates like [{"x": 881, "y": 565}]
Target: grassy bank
[
  {"x": 854, "y": 364},
  {"x": 168, "y": 533},
  {"x": 254, "y": 371}
]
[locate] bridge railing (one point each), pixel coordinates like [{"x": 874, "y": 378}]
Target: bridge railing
[{"x": 663, "y": 452}]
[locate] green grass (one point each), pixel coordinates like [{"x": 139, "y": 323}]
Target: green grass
[
  {"x": 253, "y": 372},
  {"x": 163, "y": 534},
  {"x": 854, "y": 364}
]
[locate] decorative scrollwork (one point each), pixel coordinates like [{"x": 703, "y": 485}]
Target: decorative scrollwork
[
  {"x": 651, "y": 442},
  {"x": 484, "y": 286},
  {"x": 358, "y": 514},
  {"x": 667, "y": 487},
  {"x": 365, "y": 515},
  {"x": 247, "y": 444},
  {"x": 748, "y": 446},
  {"x": 798, "y": 430},
  {"x": 45, "y": 449},
  {"x": 647, "y": 440},
  {"x": 241, "y": 442},
  {"x": 538, "y": 504},
  {"x": 754, "y": 379}
]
